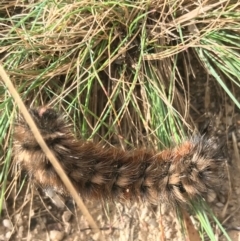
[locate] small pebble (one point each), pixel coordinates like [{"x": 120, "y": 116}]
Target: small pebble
[
  {"x": 8, "y": 235},
  {"x": 219, "y": 204},
  {"x": 7, "y": 223},
  {"x": 95, "y": 236},
  {"x": 56, "y": 235}
]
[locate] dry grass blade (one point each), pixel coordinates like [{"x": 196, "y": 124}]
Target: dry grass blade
[{"x": 47, "y": 151}]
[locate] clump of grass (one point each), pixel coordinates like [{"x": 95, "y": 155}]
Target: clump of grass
[{"x": 114, "y": 66}]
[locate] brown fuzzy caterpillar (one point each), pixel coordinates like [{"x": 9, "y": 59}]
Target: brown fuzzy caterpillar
[{"x": 174, "y": 176}]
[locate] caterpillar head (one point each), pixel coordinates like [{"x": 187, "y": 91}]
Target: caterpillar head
[{"x": 27, "y": 152}]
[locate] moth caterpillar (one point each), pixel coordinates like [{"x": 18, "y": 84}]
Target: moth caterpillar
[{"x": 175, "y": 175}]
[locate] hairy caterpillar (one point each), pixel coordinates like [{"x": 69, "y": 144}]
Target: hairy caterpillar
[{"x": 175, "y": 175}]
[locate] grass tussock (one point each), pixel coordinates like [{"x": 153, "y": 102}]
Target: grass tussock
[{"x": 121, "y": 70}]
